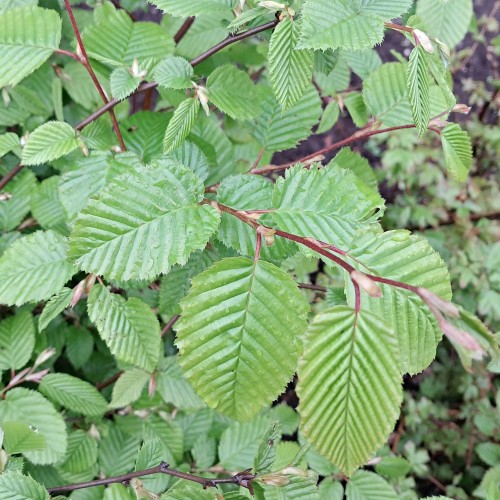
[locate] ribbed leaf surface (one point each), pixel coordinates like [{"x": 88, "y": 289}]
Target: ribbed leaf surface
[
  {"x": 129, "y": 327},
  {"x": 12, "y": 4},
  {"x": 49, "y": 142},
  {"x": 366, "y": 485},
  {"x": 290, "y": 69},
  {"x": 457, "y": 150},
  {"x": 181, "y": 124},
  {"x": 418, "y": 85},
  {"x": 15, "y": 486},
  {"x": 46, "y": 206},
  {"x": 192, "y": 7},
  {"x": 350, "y": 160},
  {"x": 139, "y": 226},
  {"x": 123, "y": 83},
  {"x": 81, "y": 457},
  {"x": 28, "y": 36},
  {"x": 54, "y": 307},
  {"x": 241, "y": 324},
  {"x": 73, "y": 393},
  {"x": 349, "y": 386},
  {"x": 296, "y": 488},
  {"x": 174, "y": 73},
  {"x": 347, "y": 24},
  {"x": 330, "y": 204},
  {"x": 128, "y": 387},
  {"x": 19, "y": 406},
  {"x": 117, "y": 40},
  {"x": 18, "y": 438},
  {"x": 17, "y": 340},
  {"x": 34, "y": 268}
]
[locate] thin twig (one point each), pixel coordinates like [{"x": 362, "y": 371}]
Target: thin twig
[
  {"x": 184, "y": 29},
  {"x": 173, "y": 320},
  {"x": 316, "y": 288},
  {"x": 8, "y": 177},
  {"x": 109, "y": 381}
]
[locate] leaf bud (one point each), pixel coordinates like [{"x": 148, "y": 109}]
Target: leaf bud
[{"x": 367, "y": 284}]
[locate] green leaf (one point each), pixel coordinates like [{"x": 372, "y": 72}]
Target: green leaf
[
  {"x": 329, "y": 117},
  {"x": 457, "y": 150},
  {"x": 34, "y": 268},
  {"x": 142, "y": 224},
  {"x": 183, "y": 491},
  {"x": 229, "y": 342},
  {"x": 347, "y": 24},
  {"x": 12, "y": 4},
  {"x": 152, "y": 453},
  {"x": 174, "y": 73},
  {"x": 49, "y": 142},
  {"x": 28, "y": 36},
  {"x": 183, "y": 8},
  {"x": 19, "y": 437},
  {"x": 117, "y": 452},
  {"x": 9, "y": 142},
  {"x": 54, "y": 307},
  {"x": 267, "y": 449},
  {"x": 73, "y": 393},
  {"x": 354, "y": 103},
  {"x": 128, "y": 388},
  {"x": 17, "y": 341},
  {"x": 277, "y": 130},
  {"x": 350, "y": 160},
  {"x": 329, "y": 204},
  {"x": 418, "y": 85},
  {"x": 489, "y": 453},
  {"x": 181, "y": 123},
  {"x": 18, "y": 406},
  {"x": 366, "y": 485},
  {"x": 80, "y": 460},
  {"x": 79, "y": 346},
  {"x": 15, "y": 486},
  {"x": 233, "y": 92},
  {"x": 117, "y": 40},
  {"x": 346, "y": 414},
  {"x": 123, "y": 83},
  {"x": 129, "y": 327},
  {"x": 448, "y": 21},
  {"x": 393, "y": 467},
  {"x": 290, "y": 69},
  {"x": 246, "y": 17},
  {"x": 362, "y": 62},
  {"x": 295, "y": 486},
  {"x": 46, "y": 206}
]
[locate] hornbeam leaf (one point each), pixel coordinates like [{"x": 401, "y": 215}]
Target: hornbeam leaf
[
  {"x": 49, "y": 142},
  {"x": 19, "y": 437},
  {"x": 128, "y": 387},
  {"x": 290, "y": 69},
  {"x": 17, "y": 341},
  {"x": 181, "y": 124},
  {"x": 12, "y": 4},
  {"x": 73, "y": 393},
  {"x": 365, "y": 485},
  {"x": 34, "y": 268},
  {"x": 418, "y": 85},
  {"x": 349, "y": 386},
  {"x": 241, "y": 323},
  {"x": 174, "y": 73},
  {"x": 28, "y": 37},
  {"x": 183, "y": 8},
  {"x": 457, "y": 150},
  {"x": 123, "y": 83},
  {"x": 16, "y": 486},
  {"x": 140, "y": 225},
  {"x": 129, "y": 327}
]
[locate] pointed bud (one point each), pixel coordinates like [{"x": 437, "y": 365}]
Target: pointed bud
[
  {"x": 442, "y": 305},
  {"x": 367, "y": 284},
  {"x": 461, "y": 108},
  {"x": 5, "y": 97},
  {"x": 44, "y": 356},
  {"x": 464, "y": 339},
  {"x": 36, "y": 377},
  {"x": 202, "y": 94},
  {"x": 268, "y": 234},
  {"x": 152, "y": 386},
  {"x": 5, "y": 196},
  {"x": 423, "y": 39},
  {"x": 272, "y": 5},
  {"x": 274, "y": 479}
]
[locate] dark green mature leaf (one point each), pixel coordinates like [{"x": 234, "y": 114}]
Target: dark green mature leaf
[
  {"x": 418, "y": 84},
  {"x": 142, "y": 224},
  {"x": 19, "y": 437},
  {"x": 349, "y": 385},
  {"x": 457, "y": 151},
  {"x": 229, "y": 342},
  {"x": 54, "y": 306},
  {"x": 181, "y": 124},
  {"x": 17, "y": 341},
  {"x": 34, "y": 268},
  {"x": 28, "y": 36},
  {"x": 290, "y": 69},
  {"x": 129, "y": 327},
  {"x": 19, "y": 405},
  {"x": 73, "y": 393},
  {"x": 15, "y": 486}
]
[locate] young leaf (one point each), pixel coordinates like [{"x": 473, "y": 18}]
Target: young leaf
[
  {"x": 54, "y": 306},
  {"x": 19, "y": 406},
  {"x": 290, "y": 69},
  {"x": 123, "y": 83},
  {"x": 141, "y": 225},
  {"x": 28, "y": 36},
  {"x": 15, "y": 486},
  {"x": 457, "y": 150},
  {"x": 174, "y": 73},
  {"x": 129, "y": 327},
  {"x": 128, "y": 387},
  {"x": 17, "y": 341},
  {"x": 184, "y": 8},
  {"x": 357, "y": 109},
  {"x": 34, "y": 268},
  {"x": 417, "y": 81},
  {"x": 181, "y": 124},
  {"x": 329, "y": 117},
  {"x": 117, "y": 452},
  {"x": 232, "y": 91},
  {"x": 350, "y": 160},
  {"x": 366, "y": 485},
  {"x": 49, "y": 142},
  {"x": 229, "y": 342},
  {"x": 9, "y": 142},
  {"x": 245, "y": 17},
  {"x": 267, "y": 449},
  {"x": 73, "y": 393},
  {"x": 346, "y": 414}
]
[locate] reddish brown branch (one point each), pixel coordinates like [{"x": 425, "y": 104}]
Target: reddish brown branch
[
  {"x": 8, "y": 177},
  {"x": 173, "y": 320},
  {"x": 184, "y": 29}
]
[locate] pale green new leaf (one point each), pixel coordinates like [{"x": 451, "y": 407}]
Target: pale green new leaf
[
  {"x": 28, "y": 37},
  {"x": 350, "y": 160},
  {"x": 123, "y": 83},
  {"x": 349, "y": 386},
  {"x": 16, "y": 486},
  {"x": 128, "y": 387},
  {"x": 184, "y": 8},
  {"x": 457, "y": 150},
  {"x": 19, "y": 405},
  {"x": 362, "y": 62},
  {"x": 447, "y": 20},
  {"x": 266, "y": 453},
  {"x": 329, "y": 117},
  {"x": 54, "y": 306},
  {"x": 246, "y": 17},
  {"x": 34, "y": 268},
  {"x": 142, "y": 224},
  {"x": 233, "y": 92},
  {"x": 290, "y": 69},
  {"x": 129, "y": 327},
  {"x": 229, "y": 341},
  {"x": 12, "y": 4},
  {"x": 181, "y": 124},
  {"x": 347, "y": 24},
  {"x": 174, "y": 73},
  {"x": 366, "y": 485},
  {"x": 73, "y": 393},
  {"x": 9, "y": 142},
  {"x": 49, "y": 142},
  {"x": 356, "y": 107},
  {"x": 418, "y": 85},
  {"x": 19, "y": 437},
  {"x": 17, "y": 341},
  {"x": 330, "y": 204}
]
